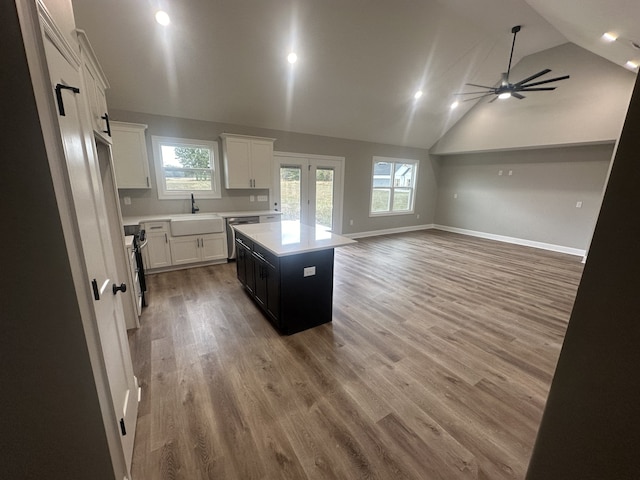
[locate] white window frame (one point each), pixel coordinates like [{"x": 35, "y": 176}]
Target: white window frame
[
  {"x": 163, "y": 193},
  {"x": 413, "y": 188}
]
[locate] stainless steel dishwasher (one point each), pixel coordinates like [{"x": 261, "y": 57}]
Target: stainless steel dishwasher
[{"x": 231, "y": 234}]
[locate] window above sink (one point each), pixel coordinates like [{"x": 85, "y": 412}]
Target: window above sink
[{"x": 184, "y": 166}]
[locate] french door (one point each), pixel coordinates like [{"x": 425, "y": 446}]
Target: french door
[{"x": 308, "y": 189}]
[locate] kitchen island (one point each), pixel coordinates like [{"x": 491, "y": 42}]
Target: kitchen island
[{"x": 287, "y": 268}]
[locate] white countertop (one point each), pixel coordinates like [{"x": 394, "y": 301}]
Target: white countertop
[
  {"x": 289, "y": 237},
  {"x": 136, "y": 220}
]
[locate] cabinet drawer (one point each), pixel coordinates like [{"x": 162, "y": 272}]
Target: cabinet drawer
[
  {"x": 156, "y": 226},
  {"x": 266, "y": 255}
]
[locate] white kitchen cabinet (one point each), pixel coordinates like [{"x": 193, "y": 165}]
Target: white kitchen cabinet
[
  {"x": 95, "y": 85},
  {"x": 247, "y": 161},
  {"x": 198, "y": 248},
  {"x": 130, "y": 157},
  {"x": 157, "y": 253}
]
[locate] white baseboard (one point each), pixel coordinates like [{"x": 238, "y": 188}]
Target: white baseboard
[
  {"x": 516, "y": 241},
  {"x": 387, "y": 231}
]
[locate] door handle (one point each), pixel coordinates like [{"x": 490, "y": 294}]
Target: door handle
[{"x": 122, "y": 288}]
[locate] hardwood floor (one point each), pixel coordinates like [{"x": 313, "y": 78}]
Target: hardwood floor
[{"x": 436, "y": 366}]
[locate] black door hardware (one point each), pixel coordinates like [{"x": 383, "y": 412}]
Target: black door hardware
[
  {"x": 96, "y": 292},
  {"x": 122, "y": 427},
  {"x": 105, "y": 117},
  {"x": 59, "y": 88},
  {"x": 122, "y": 287}
]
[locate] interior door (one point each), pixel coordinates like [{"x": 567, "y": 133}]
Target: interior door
[
  {"x": 95, "y": 244},
  {"x": 308, "y": 189}
]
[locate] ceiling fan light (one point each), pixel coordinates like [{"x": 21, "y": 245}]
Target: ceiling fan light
[
  {"x": 454, "y": 105},
  {"x": 631, "y": 65},
  {"x": 162, "y": 18},
  {"x": 609, "y": 37},
  {"x": 504, "y": 95},
  {"x": 418, "y": 94}
]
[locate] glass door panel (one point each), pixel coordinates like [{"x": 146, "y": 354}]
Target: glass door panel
[
  {"x": 290, "y": 192},
  {"x": 324, "y": 187}
]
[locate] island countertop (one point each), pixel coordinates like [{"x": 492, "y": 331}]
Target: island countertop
[{"x": 289, "y": 237}]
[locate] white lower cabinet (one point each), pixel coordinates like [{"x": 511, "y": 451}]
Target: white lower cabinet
[
  {"x": 157, "y": 253},
  {"x": 198, "y": 248}
]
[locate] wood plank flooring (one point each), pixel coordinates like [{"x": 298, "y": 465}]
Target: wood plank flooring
[{"x": 437, "y": 365}]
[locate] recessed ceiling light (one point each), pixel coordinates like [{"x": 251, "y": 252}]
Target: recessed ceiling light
[
  {"x": 292, "y": 58},
  {"x": 162, "y": 18},
  {"x": 454, "y": 105},
  {"x": 504, "y": 95},
  {"x": 418, "y": 94},
  {"x": 631, "y": 65},
  {"x": 609, "y": 37}
]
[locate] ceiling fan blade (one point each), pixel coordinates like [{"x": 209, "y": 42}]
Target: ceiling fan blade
[
  {"x": 476, "y": 98},
  {"x": 557, "y": 79},
  {"x": 479, "y": 86},
  {"x": 533, "y": 77},
  {"x": 470, "y": 93},
  {"x": 537, "y": 89},
  {"x": 517, "y": 95}
]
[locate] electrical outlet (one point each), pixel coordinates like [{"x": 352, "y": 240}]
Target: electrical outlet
[
  {"x": 309, "y": 271},
  {"x": 418, "y": 216},
  {"x": 351, "y": 222},
  {"x": 455, "y": 195},
  {"x": 510, "y": 172},
  {"x": 252, "y": 198},
  {"x": 127, "y": 200},
  {"x": 500, "y": 172}
]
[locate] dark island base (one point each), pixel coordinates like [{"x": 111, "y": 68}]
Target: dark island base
[{"x": 295, "y": 291}]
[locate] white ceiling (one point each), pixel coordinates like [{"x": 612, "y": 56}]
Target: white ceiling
[{"x": 360, "y": 61}]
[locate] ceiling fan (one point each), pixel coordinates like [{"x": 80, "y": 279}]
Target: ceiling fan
[{"x": 507, "y": 89}]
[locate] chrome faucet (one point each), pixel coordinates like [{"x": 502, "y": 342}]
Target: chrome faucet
[{"x": 194, "y": 207}]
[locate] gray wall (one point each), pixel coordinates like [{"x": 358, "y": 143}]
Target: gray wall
[
  {"x": 536, "y": 203},
  {"x": 589, "y": 107},
  {"x": 590, "y": 429},
  {"x": 357, "y": 179},
  {"x": 51, "y": 421}
]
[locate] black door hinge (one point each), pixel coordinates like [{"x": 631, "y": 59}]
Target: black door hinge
[
  {"x": 122, "y": 427},
  {"x": 96, "y": 291}
]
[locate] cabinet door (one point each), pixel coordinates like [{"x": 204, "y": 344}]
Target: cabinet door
[
  {"x": 273, "y": 292},
  {"x": 261, "y": 163},
  {"x": 213, "y": 247},
  {"x": 237, "y": 157},
  {"x": 130, "y": 158},
  {"x": 260, "y": 272},
  {"x": 185, "y": 250},
  {"x": 241, "y": 262},
  {"x": 157, "y": 250}
]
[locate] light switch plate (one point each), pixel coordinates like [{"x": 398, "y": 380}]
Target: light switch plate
[
  {"x": 263, "y": 198},
  {"x": 309, "y": 271}
]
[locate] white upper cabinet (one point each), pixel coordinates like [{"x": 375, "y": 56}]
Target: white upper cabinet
[
  {"x": 247, "y": 161},
  {"x": 95, "y": 85},
  {"x": 130, "y": 155}
]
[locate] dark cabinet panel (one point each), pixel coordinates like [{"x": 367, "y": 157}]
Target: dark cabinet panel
[{"x": 295, "y": 291}]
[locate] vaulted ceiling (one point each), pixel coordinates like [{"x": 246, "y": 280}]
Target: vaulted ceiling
[{"x": 359, "y": 65}]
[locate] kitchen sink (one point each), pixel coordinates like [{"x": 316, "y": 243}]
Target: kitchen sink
[{"x": 197, "y": 224}]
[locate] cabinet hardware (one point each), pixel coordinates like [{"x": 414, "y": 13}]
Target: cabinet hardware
[
  {"x": 122, "y": 427},
  {"x": 105, "y": 117},
  {"x": 59, "y": 88},
  {"x": 96, "y": 292},
  {"x": 119, "y": 288}
]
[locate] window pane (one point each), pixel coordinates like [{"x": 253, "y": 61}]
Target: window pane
[
  {"x": 380, "y": 200},
  {"x": 382, "y": 174},
  {"x": 401, "y": 199},
  {"x": 324, "y": 197},
  {"x": 290, "y": 193},
  {"x": 187, "y": 179},
  {"x": 403, "y": 175}
]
